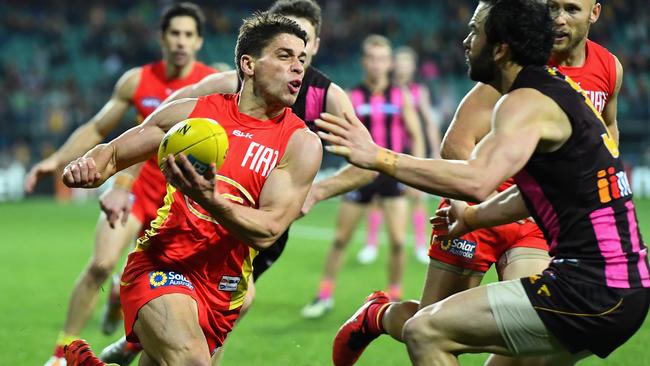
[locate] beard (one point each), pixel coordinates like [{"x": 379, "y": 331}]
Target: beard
[{"x": 482, "y": 68}]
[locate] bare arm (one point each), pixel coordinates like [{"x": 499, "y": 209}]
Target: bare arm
[
  {"x": 280, "y": 200},
  {"x": 134, "y": 146},
  {"x": 433, "y": 125},
  {"x": 610, "y": 110},
  {"x": 92, "y": 132},
  {"x": 349, "y": 177},
  {"x": 523, "y": 119},
  {"x": 223, "y": 82},
  {"x": 470, "y": 123},
  {"x": 459, "y": 218}
]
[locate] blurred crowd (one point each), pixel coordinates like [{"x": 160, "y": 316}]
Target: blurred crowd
[{"x": 60, "y": 59}]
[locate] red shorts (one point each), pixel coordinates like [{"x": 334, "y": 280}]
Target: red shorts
[
  {"x": 149, "y": 191},
  {"x": 478, "y": 250},
  {"x": 143, "y": 282}
]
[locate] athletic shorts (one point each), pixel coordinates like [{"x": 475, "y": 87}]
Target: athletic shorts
[
  {"x": 149, "y": 190},
  {"x": 383, "y": 186},
  {"x": 478, "y": 250},
  {"x": 141, "y": 284},
  {"x": 586, "y": 316},
  {"x": 265, "y": 258}
]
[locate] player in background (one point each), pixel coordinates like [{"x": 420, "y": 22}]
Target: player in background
[
  {"x": 389, "y": 115},
  {"x": 404, "y": 72},
  {"x": 183, "y": 286},
  {"x": 517, "y": 250},
  {"x": 145, "y": 87}
]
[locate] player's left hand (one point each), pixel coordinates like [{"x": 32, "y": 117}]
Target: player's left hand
[
  {"x": 349, "y": 138},
  {"x": 182, "y": 175},
  {"x": 449, "y": 221}
]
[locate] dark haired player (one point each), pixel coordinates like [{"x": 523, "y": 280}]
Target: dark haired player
[
  {"x": 548, "y": 134},
  {"x": 145, "y": 87},
  {"x": 184, "y": 285}
]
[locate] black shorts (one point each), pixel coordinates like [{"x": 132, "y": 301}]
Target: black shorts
[
  {"x": 265, "y": 259},
  {"x": 383, "y": 186},
  {"x": 585, "y": 316}
]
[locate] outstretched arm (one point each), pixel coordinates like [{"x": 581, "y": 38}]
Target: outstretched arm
[
  {"x": 349, "y": 177},
  {"x": 134, "y": 146},
  {"x": 459, "y": 218},
  {"x": 522, "y": 118},
  {"x": 92, "y": 132},
  {"x": 280, "y": 200}
]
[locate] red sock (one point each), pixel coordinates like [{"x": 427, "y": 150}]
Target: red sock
[{"x": 375, "y": 317}]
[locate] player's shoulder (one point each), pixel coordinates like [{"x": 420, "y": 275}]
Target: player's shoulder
[
  {"x": 481, "y": 96},
  {"x": 598, "y": 50},
  {"x": 128, "y": 83}
]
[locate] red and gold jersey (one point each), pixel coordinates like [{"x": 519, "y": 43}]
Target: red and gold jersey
[
  {"x": 154, "y": 87},
  {"x": 186, "y": 238},
  {"x": 597, "y": 76}
]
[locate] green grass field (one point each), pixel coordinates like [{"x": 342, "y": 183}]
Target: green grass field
[{"x": 44, "y": 245}]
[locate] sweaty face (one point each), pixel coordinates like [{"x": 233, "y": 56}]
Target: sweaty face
[
  {"x": 572, "y": 20},
  {"x": 312, "y": 42},
  {"x": 279, "y": 70},
  {"x": 404, "y": 66},
  {"x": 377, "y": 61},
  {"x": 478, "y": 54},
  {"x": 181, "y": 41}
]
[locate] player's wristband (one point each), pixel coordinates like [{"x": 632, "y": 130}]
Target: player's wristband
[
  {"x": 386, "y": 161},
  {"x": 123, "y": 181},
  {"x": 469, "y": 216}
]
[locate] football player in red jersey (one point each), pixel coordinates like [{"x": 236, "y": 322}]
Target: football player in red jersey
[
  {"x": 184, "y": 285},
  {"x": 144, "y": 88},
  {"x": 517, "y": 249}
]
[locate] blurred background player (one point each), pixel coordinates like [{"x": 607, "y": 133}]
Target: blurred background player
[
  {"x": 181, "y": 28},
  {"x": 404, "y": 72},
  {"x": 517, "y": 249},
  {"x": 182, "y": 321},
  {"x": 388, "y": 113}
]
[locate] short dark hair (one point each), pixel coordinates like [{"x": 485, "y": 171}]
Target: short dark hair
[
  {"x": 183, "y": 9},
  {"x": 307, "y": 9},
  {"x": 257, "y": 31},
  {"x": 525, "y": 26}
]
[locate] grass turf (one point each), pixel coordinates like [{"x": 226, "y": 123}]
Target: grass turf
[{"x": 45, "y": 245}]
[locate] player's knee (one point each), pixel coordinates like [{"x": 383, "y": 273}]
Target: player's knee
[
  {"x": 99, "y": 270},
  {"x": 397, "y": 248},
  {"x": 340, "y": 244},
  {"x": 188, "y": 355},
  {"x": 420, "y": 333}
]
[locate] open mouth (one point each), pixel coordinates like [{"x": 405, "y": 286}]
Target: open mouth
[
  {"x": 561, "y": 36},
  {"x": 294, "y": 86}
]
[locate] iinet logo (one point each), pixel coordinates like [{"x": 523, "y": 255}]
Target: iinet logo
[
  {"x": 246, "y": 135},
  {"x": 612, "y": 185}
]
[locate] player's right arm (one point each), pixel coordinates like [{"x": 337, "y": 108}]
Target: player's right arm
[
  {"x": 470, "y": 123},
  {"x": 92, "y": 132},
  {"x": 134, "y": 146},
  {"x": 222, "y": 82}
]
